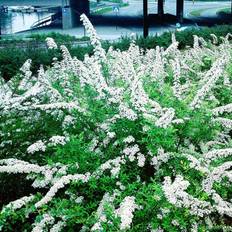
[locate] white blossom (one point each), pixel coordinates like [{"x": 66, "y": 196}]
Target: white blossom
[
  {"x": 225, "y": 122},
  {"x": 95, "y": 40},
  {"x": 58, "y": 226},
  {"x": 210, "y": 79},
  {"x": 176, "y": 195},
  {"x": 217, "y": 153},
  {"x": 166, "y": 119},
  {"x": 160, "y": 158},
  {"x": 125, "y": 212},
  {"x": 221, "y": 109},
  {"x": 58, "y": 140},
  {"x": 141, "y": 160},
  {"x": 51, "y": 43},
  {"x": 59, "y": 184},
  {"x": 68, "y": 121},
  {"x": 37, "y": 146},
  {"x": 129, "y": 139},
  {"x": 131, "y": 151},
  {"x": 40, "y": 226},
  {"x": 17, "y": 204}
]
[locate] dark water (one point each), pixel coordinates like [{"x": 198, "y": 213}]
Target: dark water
[{"x": 12, "y": 22}]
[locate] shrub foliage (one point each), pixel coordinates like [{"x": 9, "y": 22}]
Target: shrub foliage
[{"x": 135, "y": 140}]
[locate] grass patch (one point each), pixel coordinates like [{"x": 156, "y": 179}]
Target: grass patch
[
  {"x": 103, "y": 10},
  {"x": 226, "y": 10},
  {"x": 197, "y": 13}
]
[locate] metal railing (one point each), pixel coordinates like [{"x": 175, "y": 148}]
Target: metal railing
[{"x": 42, "y": 22}]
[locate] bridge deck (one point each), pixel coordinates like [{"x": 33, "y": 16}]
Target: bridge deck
[{"x": 31, "y": 2}]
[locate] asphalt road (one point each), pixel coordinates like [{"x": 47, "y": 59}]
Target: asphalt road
[{"x": 136, "y": 7}]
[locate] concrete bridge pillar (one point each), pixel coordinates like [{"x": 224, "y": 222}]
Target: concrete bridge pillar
[
  {"x": 160, "y": 8},
  {"x": 67, "y": 17},
  {"x": 180, "y": 10},
  {"x": 71, "y": 11}
]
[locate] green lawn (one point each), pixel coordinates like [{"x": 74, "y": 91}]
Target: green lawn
[
  {"x": 198, "y": 12},
  {"x": 225, "y": 10}
]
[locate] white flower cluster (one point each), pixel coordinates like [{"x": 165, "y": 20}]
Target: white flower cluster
[
  {"x": 217, "y": 153},
  {"x": 59, "y": 105},
  {"x": 67, "y": 59},
  {"x": 41, "y": 146},
  {"x": 129, "y": 139},
  {"x": 131, "y": 151},
  {"x": 95, "y": 40},
  {"x": 100, "y": 213},
  {"x": 225, "y": 122},
  {"x": 58, "y": 226},
  {"x": 125, "y": 212},
  {"x": 141, "y": 160},
  {"x": 166, "y": 119},
  {"x": 60, "y": 183},
  {"x": 160, "y": 158},
  {"x": 176, "y": 194},
  {"x": 93, "y": 144},
  {"x": 21, "y": 167},
  {"x": 17, "y": 166},
  {"x": 222, "y": 109},
  {"x": 176, "y": 74},
  {"x": 197, "y": 164},
  {"x": 26, "y": 82},
  {"x": 17, "y": 204},
  {"x": 40, "y": 226},
  {"x": 68, "y": 121},
  {"x": 216, "y": 175},
  {"x": 223, "y": 207},
  {"x": 196, "y": 44},
  {"x": 215, "y": 38},
  {"x": 37, "y": 146},
  {"x": 113, "y": 165},
  {"x": 157, "y": 72},
  {"x": 51, "y": 43},
  {"x": 58, "y": 140},
  {"x": 126, "y": 112},
  {"x": 109, "y": 137},
  {"x": 210, "y": 79}
]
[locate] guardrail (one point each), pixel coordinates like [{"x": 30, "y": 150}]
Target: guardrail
[{"x": 42, "y": 22}]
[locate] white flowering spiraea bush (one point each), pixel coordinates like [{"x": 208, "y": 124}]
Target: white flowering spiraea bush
[{"x": 122, "y": 141}]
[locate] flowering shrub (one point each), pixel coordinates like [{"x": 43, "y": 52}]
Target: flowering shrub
[{"x": 122, "y": 141}]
